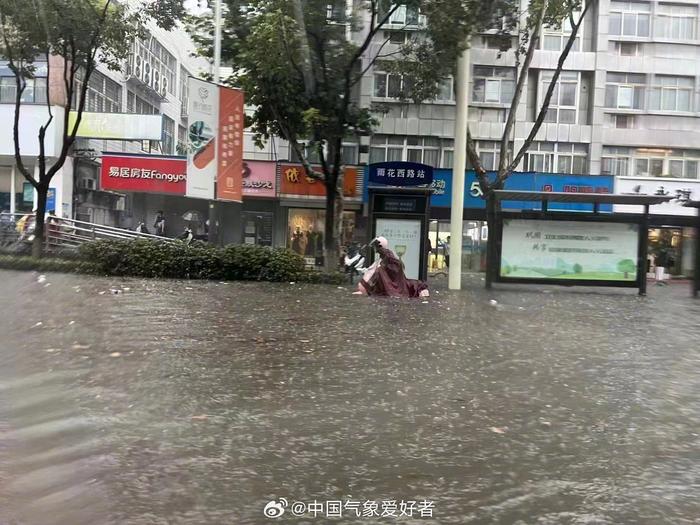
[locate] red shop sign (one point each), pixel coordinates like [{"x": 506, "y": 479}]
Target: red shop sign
[{"x": 145, "y": 173}]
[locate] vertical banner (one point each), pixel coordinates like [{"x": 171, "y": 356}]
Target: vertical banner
[
  {"x": 203, "y": 123},
  {"x": 229, "y": 179}
]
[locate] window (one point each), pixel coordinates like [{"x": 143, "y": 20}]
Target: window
[
  {"x": 629, "y": 19},
  {"x": 676, "y": 22},
  {"x": 388, "y": 85},
  {"x": 427, "y": 150},
  {"x": 621, "y": 121},
  {"x": 671, "y": 93},
  {"x": 562, "y": 157},
  {"x": 181, "y": 148},
  {"x": 407, "y": 15},
  {"x": 184, "y": 75},
  {"x": 349, "y": 154},
  {"x": 494, "y": 85},
  {"x": 562, "y": 107},
  {"x": 103, "y": 94},
  {"x": 445, "y": 90},
  {"x": 335, "y": 12},
  {"x": 650, "y": 162},
  {"x": 625, "y": 49},
  {"x": 555, "y": 39},
  {"x": 168, "y": 140},
  {"x": 624, "y": 90},
  {"x": 135, "y": 104},
  {"x": 396, "y": 37},
  {"x": 35, "y": 91}
]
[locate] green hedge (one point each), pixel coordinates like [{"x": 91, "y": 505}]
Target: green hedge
[
  {"x": 26, "y": 263},
  {"x": 178, "y": 260}
]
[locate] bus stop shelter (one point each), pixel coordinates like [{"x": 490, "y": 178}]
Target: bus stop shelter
[
  {"x": 696, "y": 272},
  {"x": 581, "y": 248}
]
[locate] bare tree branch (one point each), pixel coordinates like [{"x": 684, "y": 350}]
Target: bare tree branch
[
  {"x": 522, "y": 79},
  {"x": 548, "y": 96}
]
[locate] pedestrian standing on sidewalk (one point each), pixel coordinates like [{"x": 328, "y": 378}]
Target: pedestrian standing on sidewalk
[{"x": 159, "y": 225}]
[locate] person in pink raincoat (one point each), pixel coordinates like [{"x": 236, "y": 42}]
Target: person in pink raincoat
[{"x": 386, "y": 276}]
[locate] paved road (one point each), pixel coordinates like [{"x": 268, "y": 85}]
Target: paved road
[{"x": 198, "y": 403}]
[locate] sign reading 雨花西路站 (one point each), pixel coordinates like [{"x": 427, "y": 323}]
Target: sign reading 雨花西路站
[
  {"x": 575, "y": 250},
  {"x": 400, "y": 173}
]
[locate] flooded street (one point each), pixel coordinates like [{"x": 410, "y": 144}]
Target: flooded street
[{"x": 198, "y": 403}]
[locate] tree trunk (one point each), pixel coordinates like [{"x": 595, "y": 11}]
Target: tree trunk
[
  {"x": 330, "y": 235},
  {"x": 38, "y": 243}
]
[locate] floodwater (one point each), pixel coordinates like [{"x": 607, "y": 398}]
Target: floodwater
[{"x": 198, "y": 403}]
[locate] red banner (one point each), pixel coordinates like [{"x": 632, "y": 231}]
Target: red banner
[
  {"x": 230, "y": 145},
  {"x": 294, "y": 181},
  {"x": 144, "y": 173}
]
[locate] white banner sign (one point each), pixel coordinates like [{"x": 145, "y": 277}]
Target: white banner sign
[
  {"x": 203, "y": 122},
  {"x": 535, "y": 249},
  {"x": 118, "y": 126},
  {"x": 681, "y": 190},
  {"x": 404, "y": 240}
]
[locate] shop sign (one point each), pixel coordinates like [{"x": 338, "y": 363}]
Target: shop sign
[
  {"x": 259, "y": 178},
  {"x": 400, "y": 173},
  {"x": 682, "y": 191},
  {"x": 117, "y": 126},
  {"x": 529, "y": 181},
  {"x": 144, "y": 173},
  {"x": 575, "y": 250},
  {"x": 295, "y": 181}
]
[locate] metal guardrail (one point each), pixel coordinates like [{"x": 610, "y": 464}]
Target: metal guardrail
[{"x": 60, "y": 233}]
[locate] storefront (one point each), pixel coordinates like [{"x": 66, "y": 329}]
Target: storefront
[
  {"x": 302, "y": 206},
  {"x": 259, "y": 203},
  {"x": 672, "y": 236}
]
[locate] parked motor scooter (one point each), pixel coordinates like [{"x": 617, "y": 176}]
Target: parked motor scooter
[{"x": 355, "y": 261}]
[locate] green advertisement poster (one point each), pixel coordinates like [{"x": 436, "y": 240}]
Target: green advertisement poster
[{"x": 534, "y": 249}]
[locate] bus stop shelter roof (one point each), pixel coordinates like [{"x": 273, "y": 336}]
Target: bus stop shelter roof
[{"x": 592, "y": 198}]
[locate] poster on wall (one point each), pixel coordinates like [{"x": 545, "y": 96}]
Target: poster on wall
[
  {"x": 534, "y": 249},
  {"x": 404, "y": 240}
]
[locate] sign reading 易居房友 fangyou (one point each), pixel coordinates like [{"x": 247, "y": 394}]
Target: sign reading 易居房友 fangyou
[
  {"x": 144, "y": 173},
  {"x": 572, "y": 250},
  {"x": 400, "y": 173}
]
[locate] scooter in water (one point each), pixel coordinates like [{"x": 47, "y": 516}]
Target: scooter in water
[{"x": 355, "y": 262}]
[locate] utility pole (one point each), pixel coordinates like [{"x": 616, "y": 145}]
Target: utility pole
[
  {"x": 214, "y": 236},
  {"x": 460, "y": 166}
]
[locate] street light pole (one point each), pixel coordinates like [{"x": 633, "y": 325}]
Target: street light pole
[
  {"x": 213, "y": 234},
  {"x": 460, "y": 165}
]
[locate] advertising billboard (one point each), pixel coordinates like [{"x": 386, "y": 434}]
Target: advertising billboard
[
  {"x": 403, "y": 236},
  {"x": 230, "y": 145},
  {"x": 214, "y": 141},
  {"x": 539, "y": 249},
  {"x": 203, "y": 123},
  {"x": 118, "y": 126},
  {"x": 144, "y": 173}
]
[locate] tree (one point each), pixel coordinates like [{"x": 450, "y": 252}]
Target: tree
[
  {"x": 75, "y": 36},
  {"x": 578, "y": 268},
  {"x": 626, "y": 266},
  {"x": 301, "y": 71}
]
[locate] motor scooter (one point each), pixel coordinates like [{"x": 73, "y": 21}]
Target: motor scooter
[{"x": 355, "y": 261}]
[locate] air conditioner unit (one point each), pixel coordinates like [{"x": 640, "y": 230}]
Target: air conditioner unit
[
  {"x": 88, "y": 184},
  {"x": 146, "y": 78},
  {"x": 138, "y": 68},
  {"x": 163, "y": 86},
  {"x": 156, "y": 81}
]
